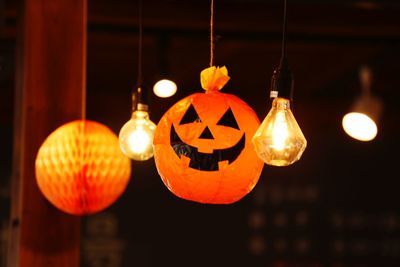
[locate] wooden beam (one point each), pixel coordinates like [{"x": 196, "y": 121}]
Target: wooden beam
[{"x": 50, "y": 77}]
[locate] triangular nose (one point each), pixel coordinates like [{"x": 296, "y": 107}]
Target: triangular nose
[{"x": 206, "y": 134}]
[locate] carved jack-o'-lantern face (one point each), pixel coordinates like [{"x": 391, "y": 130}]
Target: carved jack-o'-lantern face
[
  {"x": 208, "y": 161},
  {"x": 203, "y": 150}
]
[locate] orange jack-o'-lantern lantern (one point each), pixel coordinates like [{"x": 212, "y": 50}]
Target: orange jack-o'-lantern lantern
[
  {"x": 80, "y": 168},
  {"x": 202, "y": 145}
]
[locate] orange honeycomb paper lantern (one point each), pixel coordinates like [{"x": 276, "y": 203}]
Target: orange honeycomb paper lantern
[
  {"x": 80, "y": 168},
  {"x": 202, "y": 145}
]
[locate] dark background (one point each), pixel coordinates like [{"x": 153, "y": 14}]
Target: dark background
[{"x": 338, "y": 206}]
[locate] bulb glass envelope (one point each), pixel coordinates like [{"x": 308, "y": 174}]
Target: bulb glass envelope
[
  {"x": 136, "y": 136},
  {"x": 361, "y": 122},
  {"x": 279, "y": 140}
]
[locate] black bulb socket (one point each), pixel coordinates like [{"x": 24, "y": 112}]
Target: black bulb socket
[
  {"x": 139, "y": 98},
  {"x": 282, "y": 82}
]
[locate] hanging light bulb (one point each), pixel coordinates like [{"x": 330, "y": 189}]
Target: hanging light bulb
[
  {"x": 136, "y": 135},
  {"x": 165, "y": 88},
  {"x": 361, "y": 122},
  {"x": 279, "y": 140}
]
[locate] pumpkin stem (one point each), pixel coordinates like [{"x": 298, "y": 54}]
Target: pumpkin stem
[{"x": 214, "y": 78}]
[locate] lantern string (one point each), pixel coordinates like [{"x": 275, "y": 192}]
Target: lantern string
[
  {"x": 82, "y": 130},
  {"x": 212, "y": 34},
  {"x": 84, "y": 61},
  {"x": 84, "y": 96}
]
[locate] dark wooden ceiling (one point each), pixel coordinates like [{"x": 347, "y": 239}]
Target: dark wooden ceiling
[{"x": 327, "y": 43}]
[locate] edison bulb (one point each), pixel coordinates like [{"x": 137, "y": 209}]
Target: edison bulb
[
  {"x": 164, "y": 88},
  {"x": 359, "y": 126},
  {"x": 279, "y": 140},
  {"x": 136, "y": 136}
]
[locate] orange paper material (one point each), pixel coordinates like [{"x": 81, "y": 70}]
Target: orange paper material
[
  {"x": 203, "y": 150},
  {"x": 214, "y": 78},
  {"x": 80, "y": 168}
]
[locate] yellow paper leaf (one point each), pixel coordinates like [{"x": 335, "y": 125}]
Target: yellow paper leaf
[{"x": 214, "y": 78}]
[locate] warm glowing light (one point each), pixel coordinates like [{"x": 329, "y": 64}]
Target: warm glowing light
[
  {"x": 359, "y": 126},
  {"x": 279, "y": 132},
  {"x": 136, "y": 136},
  {"x": 139, "y": 140},
  {"x": 164, "y": 88},
  {"x": 279, "y": 140}
]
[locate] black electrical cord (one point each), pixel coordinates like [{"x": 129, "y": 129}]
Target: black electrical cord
[
  {"x": 284, "y": 30},
  {"x": 139, "y": 74},
  {"x": 139, "y": 95},
  {"x": 282, "y": 78}
]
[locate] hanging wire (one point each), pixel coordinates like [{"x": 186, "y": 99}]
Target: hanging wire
[
  {"x": 139, "y": 75},
  {"x": 84, "y": 61},
  {"x": 282, "y": 79},
  {"x": 212, "y": 34},
  {"x": 284, "y": 30},
  {"x": 82, "y": 124},
  {"x": 138, "y": 93}
]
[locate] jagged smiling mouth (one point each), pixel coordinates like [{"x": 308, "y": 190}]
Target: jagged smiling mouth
[{"x": 205, "y": 161}]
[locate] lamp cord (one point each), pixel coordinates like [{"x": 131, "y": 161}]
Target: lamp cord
[
  {"x": 139, "y": 74},
  {"x": 284, "y": 30},
  {"x": 212, "y": 34},
  {"x": 137, "y": 92}
]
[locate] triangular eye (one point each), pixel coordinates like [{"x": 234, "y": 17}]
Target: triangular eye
[
  {"x": 228, "y": 119},
  {"x": 190, "y": 116}
]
